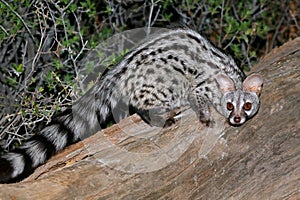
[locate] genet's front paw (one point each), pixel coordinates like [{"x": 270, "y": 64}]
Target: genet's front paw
[{"x": 208, "y": 122}]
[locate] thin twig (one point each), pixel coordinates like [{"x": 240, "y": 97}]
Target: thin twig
[
  {"x": 3, "y": 29},
  {"x": 150, "y": 16},
  {"x": 232, "y": 39},
  {"x": 221, "y": 23},
  {"x": 294, "y": 19},
  {"x": 36, "y": 57}
]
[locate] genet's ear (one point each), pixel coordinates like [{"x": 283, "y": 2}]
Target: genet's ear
[
  {"x": 225, "y": 83},
  {"x": 253, "y": 83}
]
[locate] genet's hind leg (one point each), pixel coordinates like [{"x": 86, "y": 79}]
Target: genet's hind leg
[{"x": 159, "y": 117}]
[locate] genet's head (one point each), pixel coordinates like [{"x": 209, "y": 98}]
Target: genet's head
[{"x": 238, "y": 105}]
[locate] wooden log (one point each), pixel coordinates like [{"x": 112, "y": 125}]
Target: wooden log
[{"x": 131, "y": 160}]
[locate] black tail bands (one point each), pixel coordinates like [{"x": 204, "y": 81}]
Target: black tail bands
[
  {"x": 21, "y": 162},
  {"x": 73, "y": 124}
]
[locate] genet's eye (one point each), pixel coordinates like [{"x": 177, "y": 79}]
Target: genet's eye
[
  {"x": 247, "y": 106},
  {"x": 229, "y": 106}
]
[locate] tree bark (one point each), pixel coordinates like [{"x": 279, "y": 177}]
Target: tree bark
[{"x": 131, "y": 160}]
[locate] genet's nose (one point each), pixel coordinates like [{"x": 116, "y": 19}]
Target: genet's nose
[{"x": 237, "y": 119}]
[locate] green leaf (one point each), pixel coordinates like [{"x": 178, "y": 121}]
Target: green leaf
[
  {"x": 41, "y": 89},
  {"x": 19, "y": 68}
]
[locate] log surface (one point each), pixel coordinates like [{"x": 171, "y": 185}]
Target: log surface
[{"x": 131, "y": 160}]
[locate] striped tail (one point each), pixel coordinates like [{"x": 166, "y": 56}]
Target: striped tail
[
  {"x": 85, "y": 118},
  {"x": 21, "y": 162}
]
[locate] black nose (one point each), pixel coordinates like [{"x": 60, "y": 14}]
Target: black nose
[{"x": 237, "y": 119}]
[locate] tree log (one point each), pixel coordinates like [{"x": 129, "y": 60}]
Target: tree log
[{"x": 131, "y": 160}]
